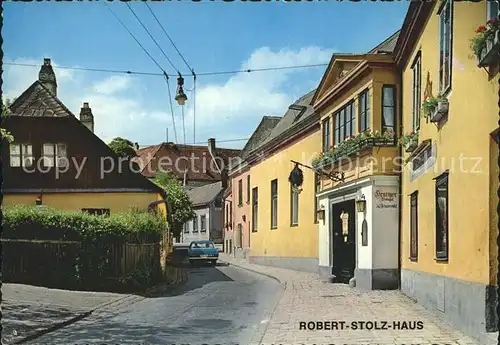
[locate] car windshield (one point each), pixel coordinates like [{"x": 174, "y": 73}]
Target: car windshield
[{"x": 202, "y": 245}]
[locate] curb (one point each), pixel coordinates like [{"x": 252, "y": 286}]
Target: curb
[
  {"x": 54, "y": 327},
  {"x": 254, "y": 271}
]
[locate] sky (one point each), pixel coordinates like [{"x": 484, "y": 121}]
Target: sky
[{"x": 211, "y": 36}]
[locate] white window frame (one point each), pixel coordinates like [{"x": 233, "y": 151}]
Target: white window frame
[
  {"x": 203, "y": 223},
  {"x": 294, "y": 207},
  {"x": 417, "y": 90},
  {"x": 25, "y": 155},
  {"x": 195, "y": 224},
  {"x": 445, "y": 88},
  {"x": 490, "y": 14},
  {"x": 55, "y": 158}
]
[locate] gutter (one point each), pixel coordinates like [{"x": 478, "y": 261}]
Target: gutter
[{"x": 400, "y": 182}]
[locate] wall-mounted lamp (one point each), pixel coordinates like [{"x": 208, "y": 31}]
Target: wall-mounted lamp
[
  {"x": 320, "y": 213},
  {"x": 361, "y": 203}
]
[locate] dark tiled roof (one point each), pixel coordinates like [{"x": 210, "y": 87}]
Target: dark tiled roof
[
  {"x": 37, "y": 100},
  {"x": 387, "y": 46},
  {"x": 262, "y": 131},
  {"x": 204, "y": 194},
  {"x": 296, "y": 116},
  {"x": 200, "y": 168}
]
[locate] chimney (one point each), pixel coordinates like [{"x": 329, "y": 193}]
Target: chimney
[
  {"x": 47, "y": 77},
  {"x": 211, "y": 147},
  {"x": 86, "y": 117}
]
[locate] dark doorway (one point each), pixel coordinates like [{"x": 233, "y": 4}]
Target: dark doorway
[{"x": 344, "y": 240}]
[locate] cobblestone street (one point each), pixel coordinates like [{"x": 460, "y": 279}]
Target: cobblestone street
[{"x": 306, "y": 298}]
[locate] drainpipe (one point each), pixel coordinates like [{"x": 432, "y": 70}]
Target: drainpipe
[{"x": 400, "y": 183}]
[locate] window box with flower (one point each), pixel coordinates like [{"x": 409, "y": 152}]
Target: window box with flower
[
  {"x": 352, "y": 145},
  {"x": 435, "y": 108},
  {"x": 409, "y": 141},
  {"x": 485, "y": 44}
]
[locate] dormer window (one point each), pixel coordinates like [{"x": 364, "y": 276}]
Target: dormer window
[
  {"x": 54, "y": 155},
  {"x": 21, "y": 155}
]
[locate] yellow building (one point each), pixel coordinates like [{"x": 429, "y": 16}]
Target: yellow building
[
  {"x": 57, "y": 160},
  {"x": 358, "y": 204},
  {"x": 449, "y": 184},
  {"x": 284, "y": 232}
]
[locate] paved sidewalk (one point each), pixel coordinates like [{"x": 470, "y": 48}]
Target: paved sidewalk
[
  {"x": 306, "y": 298},
  {"x": 28, "y": 310}
]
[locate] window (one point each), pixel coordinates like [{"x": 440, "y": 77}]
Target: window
[
  {"x": 274, "y": 204},
  {"x": 248, "y": 189},
  {"x": 240, "y": 193},
  {"x": 493, "y": 9},
  {"x": 255, "y": 208},
  {"x": 414, "y": 226},
  {"x": 326, "y": 135},
  {"x": 195, "y": 223},
  {"x": 230, "y": 214},
  {"x": 344, "y": 123},
  {"x": 203, "y": 225},
  {"x": 417, "y": 85},
  {"x": 186, "y": 228},
  {"x": 21, "y": 155},
  {"x": 442, "y": 217},
  {"x": 294, "y": 207},
  {"x": 445, "y": 46},
  {"x": 317, "y": 183},
  {"x": 364, "y": 111},
  {"x": 388, "y": 108},
  {"x": 97, "y": 211},
  {"x": 54, "y": 155}
]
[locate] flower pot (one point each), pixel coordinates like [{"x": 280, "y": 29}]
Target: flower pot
[
  {"x": 440, "y": 111},
  {"x": 411, "y": 145}
]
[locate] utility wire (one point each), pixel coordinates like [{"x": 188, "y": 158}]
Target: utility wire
[
  {"x": 183, "y": 124},
  {"x": 171, "y": 106},
  {"x": 131, "y": 34},
  {"x": 161, "y": 74},
  {"x": 151, "y": 36},
  {"x": 171, "y": 41}
]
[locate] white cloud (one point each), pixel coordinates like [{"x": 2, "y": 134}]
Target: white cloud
[
  {"x": 112, "y": 85},
  {"x": 224, "y": 111},
  {"x": 253, "y": 95}
]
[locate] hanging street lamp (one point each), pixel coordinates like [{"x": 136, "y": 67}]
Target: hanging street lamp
[{"x": 180, "y": 97}]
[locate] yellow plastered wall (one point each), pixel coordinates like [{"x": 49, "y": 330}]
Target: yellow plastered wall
[
  {"x": 286, "y": 240},
  {"x": 116, "y": 202},
  {"x": 473, "y": 115}
]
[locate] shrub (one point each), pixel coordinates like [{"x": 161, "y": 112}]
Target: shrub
[{"x": 23, "y": 221}]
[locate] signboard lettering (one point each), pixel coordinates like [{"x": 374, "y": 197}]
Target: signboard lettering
[{"x": 385, "y": 199}]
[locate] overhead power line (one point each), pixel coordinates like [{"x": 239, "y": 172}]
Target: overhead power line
[
  {"x": 171, "y": 41},
  {"x": 161, "y": 74},
  {"x": 151, "y": 36},
  {"x": 135, "y": 39}
]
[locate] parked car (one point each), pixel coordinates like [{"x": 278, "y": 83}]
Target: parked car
[{"x": 203, "y": 251}]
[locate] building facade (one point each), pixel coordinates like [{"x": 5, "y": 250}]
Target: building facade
[
  {"x": 449, "y": 218},
  {"x": 207, "y": 223},
  {"x": 283, "y": 228},
  {"x": 58, "y": 161},
  {"x": 241, "y": 192},
  {"x": 358, "y": 189}
]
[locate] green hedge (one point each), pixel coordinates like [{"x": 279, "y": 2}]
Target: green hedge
[{"x": 31, "y": 222}]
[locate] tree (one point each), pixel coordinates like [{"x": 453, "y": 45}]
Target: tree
[
  {"x": 181, "y": 208},
  {"x": 123, "y": 147},
  {"x": 6, "y": 112}
]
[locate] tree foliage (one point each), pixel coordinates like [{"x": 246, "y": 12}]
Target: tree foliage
[
  {"x": 181, "y": 208},
  {"x": 6, "y": 112},
  {"x": 123, "y": 147}
]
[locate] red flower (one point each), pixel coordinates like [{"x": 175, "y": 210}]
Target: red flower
[
  {"x": 481, "y": 28},
  {"x": 412, "y": 132}
]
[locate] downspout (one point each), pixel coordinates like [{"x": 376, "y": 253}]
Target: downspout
[{"x": 400, "y": 182}]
